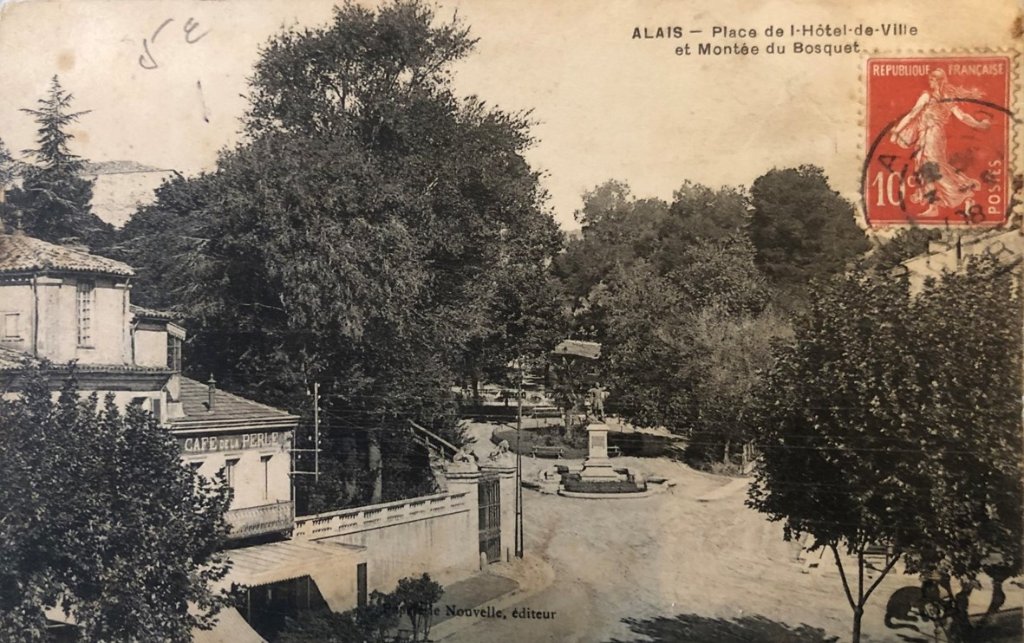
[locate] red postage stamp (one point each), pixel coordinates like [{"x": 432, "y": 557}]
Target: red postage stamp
[{"x": 938, "y": 138}]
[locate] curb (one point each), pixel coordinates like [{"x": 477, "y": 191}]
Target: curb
[{"x": 606, "y": 496}]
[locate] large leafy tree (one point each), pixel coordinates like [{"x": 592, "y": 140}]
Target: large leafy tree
[
  {"x": 670, "y": 290},
  {"x": 8, "y": 169},
  {"x": 616, "y": 231},
  {"x": 971, "y": 323},
  {"x": 102, "y": 520},
  {"x": 375, "y": 233},
  {"x": 802, "y": 229},
  {"x": 8, "y": 172},
  {"x": 53, "y": 202},
  {"x": 836, "y": 434},
  {"x": 895, "y": 421}
]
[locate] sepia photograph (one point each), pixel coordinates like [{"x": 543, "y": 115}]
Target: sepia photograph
[{"x": 633, "y": 321}]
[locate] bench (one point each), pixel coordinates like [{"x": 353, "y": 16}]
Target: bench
[
  {"x": 614, "y": 452},
  {"x": 547, "y": 452}
]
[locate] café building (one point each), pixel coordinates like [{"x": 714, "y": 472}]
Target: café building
[{"x": 63, "y": 304}]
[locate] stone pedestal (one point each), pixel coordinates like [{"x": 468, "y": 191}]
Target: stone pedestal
[{"x": 597, "y": 466}]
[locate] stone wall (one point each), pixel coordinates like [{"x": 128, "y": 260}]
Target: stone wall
[{"x": 437, "y": 534}]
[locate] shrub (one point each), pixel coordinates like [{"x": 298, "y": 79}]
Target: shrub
[
  {"x": 417, "y": 597},
  {"x": 324, "y": 626}
]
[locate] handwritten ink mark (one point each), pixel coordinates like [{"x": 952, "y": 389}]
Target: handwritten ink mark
[
  {"x": 190, "y": 26},
  {"x": 160, "y": 28},
  {"x": 142, "y": 59},
  {"x": 202, "y": 101},
  {"x": 148, "y": 61}
]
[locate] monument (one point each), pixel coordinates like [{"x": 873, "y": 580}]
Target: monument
[{"x": 597, "y": 466}]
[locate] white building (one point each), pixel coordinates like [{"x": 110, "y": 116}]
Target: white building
[{"x": 60, "y": 304}]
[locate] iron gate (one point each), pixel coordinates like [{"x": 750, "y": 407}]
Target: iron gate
[{"x": 490, "y": 518}]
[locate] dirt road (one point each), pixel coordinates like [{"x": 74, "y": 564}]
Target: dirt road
[{"x": 669, "y": 555}]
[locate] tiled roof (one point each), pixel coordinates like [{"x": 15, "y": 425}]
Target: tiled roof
[
  {"x": 228, "y": 409},
  {"x": 150, "y": 313},
  {"x": 11, "y": 359},
  {"x": 97, "y": 168},
  {"x": 20, "y": 253}
]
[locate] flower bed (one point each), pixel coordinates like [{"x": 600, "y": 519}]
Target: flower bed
[{"x": 574, "y": 484}]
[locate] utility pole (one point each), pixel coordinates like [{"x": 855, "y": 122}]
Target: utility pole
[
  {"x": 519, "y": 464},
  {"x": 316, "y": 431},
  {"x": 316, "y": 440}
]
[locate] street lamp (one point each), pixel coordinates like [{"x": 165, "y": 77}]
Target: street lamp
[{"x": 519, "y": 462}]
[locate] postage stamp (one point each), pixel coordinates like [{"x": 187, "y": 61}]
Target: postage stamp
[{"x": 938, "y": 139}]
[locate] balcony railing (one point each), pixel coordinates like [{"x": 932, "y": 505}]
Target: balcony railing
[{"x": 262, "y": 519}]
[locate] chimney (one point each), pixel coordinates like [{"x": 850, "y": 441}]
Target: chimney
[{"x": 211, "y": 391}]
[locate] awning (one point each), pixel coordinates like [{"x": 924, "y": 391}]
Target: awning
[
  {"x": 578, "y": 348},
  {"x": 230, "y": 628},
  {"x": 331, "y": 565}
]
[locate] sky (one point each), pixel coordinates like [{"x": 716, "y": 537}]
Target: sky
[{"x": 606, "y": 104}]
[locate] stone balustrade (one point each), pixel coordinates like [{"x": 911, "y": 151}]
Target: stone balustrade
[{"x": 350, "y": 521}]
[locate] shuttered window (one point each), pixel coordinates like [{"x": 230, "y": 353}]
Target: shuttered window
[{"x": 86, "y": 298}]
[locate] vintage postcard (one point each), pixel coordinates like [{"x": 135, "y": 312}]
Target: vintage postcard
[{"x": 511, "y": 320}]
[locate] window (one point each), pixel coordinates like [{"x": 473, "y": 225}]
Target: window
[
  {"x": 86, "y": 292},
  {"x": 265, "y": 461},
  {"x": 10, "y": 326},
  {"x": 229, "y": 471},
  {"x": 174, "y": 353}
]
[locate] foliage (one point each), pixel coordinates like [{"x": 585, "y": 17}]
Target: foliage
[
  {"x": 417, "y": 597},
  {"x": 895, "y": 421},
  {"x": 8, "y": 173},
  {"x": 164, "y": 241},
  {"x": 53, "y": 201},
  {"x": 619, "y": 230},
  {"x": 735, "y": 350},
  {"x": 376, "y": 621},
  {"x": 380, "y": 615},
  {"x": 669, "y": 289},
  {"x": 375, "y": 233},
  {"x": 905, "y": 244},
  {"x": 973, "y": 523},
  {"x": 645, "y": 351},
  {"x": 841, "y": 460},
  {"x": 102, "y": 520},
  {"x": 8, "y": 167},
  {"x": 802, "y": 229},
  {"x": 325, "y": 626}
]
